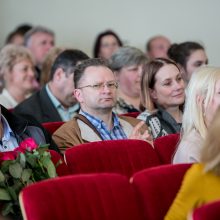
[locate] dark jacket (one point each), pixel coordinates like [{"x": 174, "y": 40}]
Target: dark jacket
[
  {"x": 39, "y": 106},
  {"x": 24, "y": 128}
]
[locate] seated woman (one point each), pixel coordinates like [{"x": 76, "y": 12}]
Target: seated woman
[
  {"x": 106, "y": 44},
  {"x": 189, "y": 56},
  {"x": 127, "y": 64},
  {"x": 16, "y": 68},
  {"x": 162, "y": 92},
  {"x": 202, "y": 101},
  {"x": 201, "y": 182}
]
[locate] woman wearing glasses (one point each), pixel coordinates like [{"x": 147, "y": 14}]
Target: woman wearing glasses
[{"x": 162, "y": 92}]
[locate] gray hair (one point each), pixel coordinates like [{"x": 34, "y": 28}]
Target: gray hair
[
  {"x": 126, "y": 56},
  {"x": 34, "y": 30}
]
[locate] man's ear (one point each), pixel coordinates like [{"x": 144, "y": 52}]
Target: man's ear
[
  {"x": 153, "y": 94},
  {"x": 58, "y": 74},
  {"x": 78, "y": 95}
]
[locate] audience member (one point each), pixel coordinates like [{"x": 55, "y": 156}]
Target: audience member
[
  {"x": 106, "y": 44},
  {"x": 202, "y": 100},
  {"x": 127, "y": 63},
  {"x": 16, "y": 69},
  {"x": 55, "y": 101},
  {"x": 47, "y": 64},
  {"x": 189, "y": 56},
  {"x": 157, "y": 47},
  {"x": 14, "y": 129},
  {"x": 201, "y": 182},
  {"x": 96, "y": 87},
  {"x": 17, "y": 36},
  {"x": 162, "y": 92},
  {"x": 39, "y": 40}
]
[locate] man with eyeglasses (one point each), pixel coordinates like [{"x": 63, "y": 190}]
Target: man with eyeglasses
[{"x": 95, "y": 90}]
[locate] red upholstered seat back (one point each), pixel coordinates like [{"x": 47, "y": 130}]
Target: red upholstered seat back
[
  {"x": 157, "y": 187},
  {"x": 61, "y": 167},
  {"x": 120, "y": 156},
  {"x": 131, "y": 114},
  {"x": 210, "y": 211},
  {"x": 166, "y": 146},
  {"x": 51, "y": 127},
  {"x": 84, "y": 197}
]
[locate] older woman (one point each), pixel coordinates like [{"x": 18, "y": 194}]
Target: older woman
[
  {"x": 202, "y": 101},
  {"x": 127, "y": 63},
  {"x": 189, "y": 56},
  {"x": 162, "y": 92},
  {"x": 16, "y": 68}
]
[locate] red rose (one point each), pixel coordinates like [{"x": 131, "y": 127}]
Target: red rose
[
  {"x": 28, "y": 143},
  {"x": 10, "y": 155}
]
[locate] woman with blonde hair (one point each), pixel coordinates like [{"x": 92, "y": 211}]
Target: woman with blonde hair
[
  {"x": 17, "y": 71},
  {"x": 201, "y": 182},
  {"x": 162, "y": 94},
  {"x": 202, "y": 101}
]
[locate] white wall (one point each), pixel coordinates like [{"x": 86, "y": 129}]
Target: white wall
[{"x": 77, "y": 22}]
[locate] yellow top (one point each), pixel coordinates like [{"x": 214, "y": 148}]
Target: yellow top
[{"x": 198, "y": 188}]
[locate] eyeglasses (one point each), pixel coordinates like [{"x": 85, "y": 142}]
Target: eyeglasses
[{"x": 99, "y": 86}]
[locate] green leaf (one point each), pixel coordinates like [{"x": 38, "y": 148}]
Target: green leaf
[
  {"x": 26, "y": 174},
  {"x": 2, "y": 177},
  {"x": 51, "y": 170},
  {"x": 4, "y": 195},
  {"x": 7, "y": 208},
  {"x": 15, "y": 170},
  {"x": 22, "y": 160},
  {"x": 13, "y": 193}
]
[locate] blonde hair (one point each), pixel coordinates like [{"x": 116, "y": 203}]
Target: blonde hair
[
  {"x": 210, "y": 154},
  {"x": 48, "y": 62},
  {"x": 201, "y": 86},
  {"x": 11, "y": 55}
]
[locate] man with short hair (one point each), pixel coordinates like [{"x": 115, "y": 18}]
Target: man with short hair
[
  {"x": 95, "y": 90},
  {"x": 157, "y": 47},
  {"x": 39, "y": 40},
  {"x": 55, "y": 101}
]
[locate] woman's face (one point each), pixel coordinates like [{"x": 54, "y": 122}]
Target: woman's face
[
  {"x": 22, "y": 76},
  {"x": 108, "y": 46},
  {"x": 129, "y": 80},
  {"x": 195, "y": 60},
  {"x": 213, "y": 105},
  {"x": 169, "y": 87}
]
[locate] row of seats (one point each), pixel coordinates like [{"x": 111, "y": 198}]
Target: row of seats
[
  {"x": 117, "y": 156},
  {"x": 104, "y": 196}
]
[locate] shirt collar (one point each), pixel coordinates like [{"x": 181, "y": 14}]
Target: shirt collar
[
  {"x": 6, "y": 129},
  {"x": 97, "y": 122}
]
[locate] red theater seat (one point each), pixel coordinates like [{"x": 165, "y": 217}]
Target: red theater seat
[
  {"x": 210, "y": 211},
  {"x": 157, "y": 187},
  {"x": 51, "y": 127},
  {"x": 166, "y": 146},
  {"x": 119, "y": 156},
  {"x": 84, "y": 197}
]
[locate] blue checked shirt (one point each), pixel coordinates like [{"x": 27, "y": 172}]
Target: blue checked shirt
[{"x": 114, "y": 134}]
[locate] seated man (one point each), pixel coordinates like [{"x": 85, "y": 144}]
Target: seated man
[
  {"x": 55, "y": 101},
  {"x": 14, "y": 130},
  {"x": 96, "y": 88}
]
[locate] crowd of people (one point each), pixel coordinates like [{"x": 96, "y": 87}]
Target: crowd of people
[{"x": 169, "y": 85}]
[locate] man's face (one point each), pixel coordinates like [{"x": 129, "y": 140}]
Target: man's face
[
  {"x": 97, "y": 98},
  {"x": 40, "y": 44},
  {"x": 66, "y": 89},
  {"x": 159, "y": 47}
]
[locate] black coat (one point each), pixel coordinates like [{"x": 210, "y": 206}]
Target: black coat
[{"x": 39, "y": 106}]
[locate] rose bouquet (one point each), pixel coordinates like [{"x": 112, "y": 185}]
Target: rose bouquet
[{"x": 27, "y": 164}]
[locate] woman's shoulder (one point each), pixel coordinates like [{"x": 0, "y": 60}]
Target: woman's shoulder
[{"x": 144, "y": 115}]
